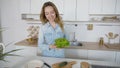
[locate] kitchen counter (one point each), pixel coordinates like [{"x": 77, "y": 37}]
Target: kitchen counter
[
  {"x": 86, "y": 46},
  {"x": 26, "y": 43},
  {"x": 51, "y": 60}
]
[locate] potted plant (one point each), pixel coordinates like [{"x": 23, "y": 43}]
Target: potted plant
[{"x": 3, "y": 54}]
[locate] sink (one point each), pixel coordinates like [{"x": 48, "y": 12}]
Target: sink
[
  {"x": 100, "y": 66},
  {"x": 75, "y": 43}
]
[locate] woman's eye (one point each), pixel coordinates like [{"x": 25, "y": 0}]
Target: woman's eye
[{"x": 46, "y": 13}]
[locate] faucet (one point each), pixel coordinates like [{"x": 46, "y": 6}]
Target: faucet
[{"x": 74, "y": 40}]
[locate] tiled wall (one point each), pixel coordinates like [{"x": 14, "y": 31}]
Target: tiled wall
[
  {"x": 85, "y": 35},
  {"x": 82, "y": 34}
]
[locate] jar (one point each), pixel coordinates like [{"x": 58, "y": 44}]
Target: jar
[{"x": 101, "y": 41}]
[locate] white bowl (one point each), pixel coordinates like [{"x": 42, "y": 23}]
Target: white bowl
[{"x": 34, "y": 64}]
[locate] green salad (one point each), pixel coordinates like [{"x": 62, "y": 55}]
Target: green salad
[{"x": 61, "y": 42}]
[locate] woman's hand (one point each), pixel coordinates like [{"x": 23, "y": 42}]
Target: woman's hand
[{"x": 52, "y": 46}]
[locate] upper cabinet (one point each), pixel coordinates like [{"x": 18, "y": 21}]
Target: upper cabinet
[
  {"x": 104, "y": 6},
  {"x": 95, "y": 6},
  {"x": 69, "y": 10},
  {"x": 76, "y": 10},
  {"x": 34, "y": 6},
  {"x": 24, "y": 6},
  {"x": 108, "y": 6},
  {"x": 82, "y": 10},
  {"x": 73, "y": 10},
  {"x": 118, "y": 7},
  {"x": 60, "y": 5}
]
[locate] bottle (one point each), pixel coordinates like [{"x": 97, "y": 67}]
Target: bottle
[{"x": 101, "y": 41}]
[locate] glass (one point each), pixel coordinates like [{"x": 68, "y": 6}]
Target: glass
[{"x": 111, "y": 41}]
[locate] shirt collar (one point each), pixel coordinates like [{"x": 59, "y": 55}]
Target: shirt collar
[{"x": 48, "y": 25}]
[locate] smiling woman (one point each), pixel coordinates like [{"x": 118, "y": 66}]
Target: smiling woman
[{"x": 52, "y": 28}]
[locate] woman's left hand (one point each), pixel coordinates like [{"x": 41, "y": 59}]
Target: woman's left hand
[{"x": 52, "y": 46}]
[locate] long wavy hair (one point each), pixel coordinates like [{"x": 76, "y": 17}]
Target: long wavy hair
[{"x": 58, "y": 19}]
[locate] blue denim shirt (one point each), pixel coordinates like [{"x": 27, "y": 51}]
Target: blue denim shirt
[{"x": 47, "y": 36}]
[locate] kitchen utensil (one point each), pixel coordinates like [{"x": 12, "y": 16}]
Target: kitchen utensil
[
  {"x": 116, "y": 35},
  {"x": 112, "y": 38},
  {"x": 110, "y": 34},
  {"x": 106, "y": 35},
  {"x": 106, "y": 45}
]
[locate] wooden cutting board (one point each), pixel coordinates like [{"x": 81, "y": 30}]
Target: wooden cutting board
[
  {"x": 85, "y": 65},
  {"x": 68, "y": 65},
  {"x": 112, "y": 46}
]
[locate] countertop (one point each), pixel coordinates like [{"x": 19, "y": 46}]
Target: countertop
[
  {"x": 52, "y": 60},
  {"x": 86, "y": 45}
]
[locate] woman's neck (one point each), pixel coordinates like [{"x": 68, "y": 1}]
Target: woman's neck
[{"x": 53, "y": 24}]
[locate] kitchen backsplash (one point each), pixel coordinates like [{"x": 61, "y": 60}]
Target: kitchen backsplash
[{"x": 81, "y": 32}]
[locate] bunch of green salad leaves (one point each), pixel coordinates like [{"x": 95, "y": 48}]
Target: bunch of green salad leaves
[{"x": 61, "y": 42}]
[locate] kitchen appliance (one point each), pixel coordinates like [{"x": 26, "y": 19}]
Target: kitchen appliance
[{"x": 112, "y": 38}]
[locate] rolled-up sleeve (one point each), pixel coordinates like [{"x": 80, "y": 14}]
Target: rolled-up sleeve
[{"x": 41, "y": 41}]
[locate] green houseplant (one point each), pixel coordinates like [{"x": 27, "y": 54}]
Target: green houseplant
[{"x": 3, "y": 54}]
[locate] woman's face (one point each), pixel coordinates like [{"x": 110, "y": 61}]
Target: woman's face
[{"x": 50, "y": 13}]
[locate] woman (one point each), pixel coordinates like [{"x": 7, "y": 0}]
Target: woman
[{"x": 51, "y": 28}]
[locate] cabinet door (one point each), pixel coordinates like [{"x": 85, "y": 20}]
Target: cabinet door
[
  {"x": 118, "y": 7},
  {"x": 76, "y": 53},
  {"x": 82, "y": 10},
  {"x": 69, "y": 10},
  {"x": 101, "y": 55},
  {"x": 24, "y": 6},
  {"x": 36, "y": 6},
  {"x": 59, "y": 4},
  {"x": 118, "y": 57},
  {"x": 95, "y": 6},
  {"x": 26, "y": 51},
  {"x": 108, "y": 6}
]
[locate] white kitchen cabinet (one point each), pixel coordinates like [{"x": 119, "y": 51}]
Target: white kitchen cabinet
[
  {"x": 76, "y": 53},
  {"x": 102, "y": 6},
  {"x": 26, "y": 50},
  {"x": 60, "y": 5},
  {"x": 76, "y": 10},
  {"x": 82, "y": 10},
  {"x": 108, "y": 6},
  {"x": 118, "y": 7},
  {"x": 36, "y": 5},
  {"x": 95, "y": 6},
  {"x": 118, "y": 57},
  {"x": 24, "y": 6},
  {"x": 69, "y": 10},
  {"x": 101, "y": 55}
]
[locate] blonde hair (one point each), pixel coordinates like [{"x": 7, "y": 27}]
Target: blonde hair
[{"x": 43, "y": 18}]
